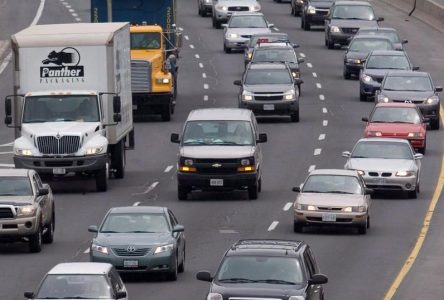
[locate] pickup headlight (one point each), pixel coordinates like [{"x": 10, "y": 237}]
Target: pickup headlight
[
  {"x": 432, "y": 100},
  {"x": 221, "y": 7},
  {"x": 94, "y": 150},
  {"x": 188, "y": 162},
  {"x": 164, "y": 248},
  {"x": 27, "y": 210},
  {"x": 233, "y": 35},
  {"x": 366, "y": 78},
  {"x": 23, "y": 152},
  {"x": 247, "y": 96},
  {"x": 163, "y": 80},
  {"x": 249, "y": 55},
  {"x": 311, "y": 10},
  {"x": 289, "y": 95},
  {"x": 374, "y": 133},
  {"x": 415, "y": 134},
  {"x": 335, "y": 29},
  {"x": 100, "y": 249},
  {"x": 405, "y": 173},
  {"x": 214, "y": 296}
]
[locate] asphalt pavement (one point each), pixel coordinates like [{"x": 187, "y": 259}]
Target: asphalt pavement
[{"x": 358, "y": 267}]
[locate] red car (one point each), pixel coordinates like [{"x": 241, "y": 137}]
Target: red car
[{"x": 398, "y": 120}]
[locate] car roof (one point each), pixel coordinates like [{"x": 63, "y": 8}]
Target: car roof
[
  {"x": 408, "y": 73},
  {"x": 352, "y": 3},
  {"x": 388, "y": 53},
  {"x": 10, "y": 172},
  {"x": 395, "y": 104},
  {"x": 390, "y": 140},
  {"x": 268, "y": 66},
  {"x": 269, "y": 247},
  {"x": 222, "y": 114},
  {"x": 342, "y": 172},
  {"x": 81, "y": 268},
  {"x": 137, "y": 209}
]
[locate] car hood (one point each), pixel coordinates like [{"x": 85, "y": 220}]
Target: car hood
[
  {"x": 323, "y": 4},
  {"x": 394, "y": 128},
  {"x": 135, "y": 239},
  {"x": 247, "y": 31},
  {"x": 261, "y": 290},
  {"x": 330, "y": 199},
  {"x": 380, "y": 164},
  {"x": 407, "y": 95},
  {"x": 16, "y": 200},
  {"x": 217, "y": 152},
  {"x": 356, "y": 55},
  {"x": 268, "y": 88},
  {"x": 353, "y": 23}
]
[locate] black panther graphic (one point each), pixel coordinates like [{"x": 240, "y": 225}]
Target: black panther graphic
[{"x": 64, "y": 57}]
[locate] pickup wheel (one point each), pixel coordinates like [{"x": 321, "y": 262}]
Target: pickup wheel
[
  {"x": 119, "y": 159},
  {"x": 434, "y": 125},
  {"x": 253, "y": 191},
  {"x": 362, "y": 97},
  {"x": 102, "y": 179},
  {"x": 48, "y": 236},
  {"x": 330, "y": 44},
  {"x": 35, "y": 241}
]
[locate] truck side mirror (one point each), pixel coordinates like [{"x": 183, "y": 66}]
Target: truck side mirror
[
  {"x": 175, "y": 138},
  {"x": 117, "y": 118},
  {"x": 262, "y": 138},
  {"x": 8, "y": 111},
  {"x": 116, "y": 104}
]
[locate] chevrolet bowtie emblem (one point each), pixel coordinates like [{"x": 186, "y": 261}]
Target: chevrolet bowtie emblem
[{"x": 216, "y": 165}]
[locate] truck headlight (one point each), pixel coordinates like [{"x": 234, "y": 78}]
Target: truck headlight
[
  {"x": 335, "y": 29},
  {"x": 23, "y": 152},
  {"x": 245, "y": 162},
  {"x": 366, "y": 78},
  {"x": 163, "y": 80},
  {"x": 405, "y": 173},
  {"x": 100, "y": 249},
  {"x": 311, "y": 10},
  {"x": 214, "y": 296},
  {"x": 188, "y": 162},
  {"x": 164, "y": 248},
  {"x": 94, "y": 150},
  {"x": 432, "y": 100},
  {"x": 233, "y": 35},
  {"x": 247, "y": 96},
  {"x": 26, "y": 210}
]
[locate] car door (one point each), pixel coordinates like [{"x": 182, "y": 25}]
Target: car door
[
  {"x": 178, "y": 236},
  {"x": 314, "y": 291}
]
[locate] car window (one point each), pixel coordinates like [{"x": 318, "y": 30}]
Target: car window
[
  {"x": 368, "y": 45},
  {"x": 408, "y": 83},
  {"x": 232, "y": 133},
  {"x": 274, "y": 55},
  {"x": 312, "y": 260},
  {"x": 15, "y": 186},
  {"x": 398, "y": 62},
  {"x": 354, "y": 12},
  {"x": 255, "y": 77},
  {"x": 116, "y": 282},
  {"x": 396, "y": 115},
  {"x": 382, "y": 149},
  {"x": 38, "y": 181},
  {"x": 173, "y": 219},
  {"x": 309, "y": 265},
  {"x": 135, "y": 223},
  {"x": 332, "y": 184},
  {"x": 247, "y": 22}
]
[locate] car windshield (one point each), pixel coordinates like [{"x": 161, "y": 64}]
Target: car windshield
[
  {"x": 63, "y": 108},
  {"x": 267, "y": 39},
  {"x": 368, "y": 45},
  {"x": 396, "y": 62},
  {"x": 395, "y": 115},
  {"x": 214, "y": 133},
  {"x": 145, "y": 40},
  {"x": 353, "y": 12},
  {"x": 392, "y": 35},
  {"x": 274, "y": 55},
  {"x": 250, "y": 269},
  {"x": 74, "y": 287},
  {"x": 135, "y": 223},
  {"x": 255, "y": 77},
  {"x": 382, "y": 149},
  {"x": 247, "y": 22},
  {"x": 338, "y": 184},
  {"x": 15, "y": 186},
  {"x": 408, "y": 83}
]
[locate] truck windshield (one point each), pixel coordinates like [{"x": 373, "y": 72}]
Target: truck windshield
[
  {"x": 61, "y": 108},
  {"x": 145, "y": 40}
]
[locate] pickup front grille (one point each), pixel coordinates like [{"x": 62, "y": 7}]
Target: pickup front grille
[
  {"x": 6, "y": 213},
  {"x": 141, "y": 76},
  {"x": 128, "y": 252},
  {"x": 68, "y": 144}
]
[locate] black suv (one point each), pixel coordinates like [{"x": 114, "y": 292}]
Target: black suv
[
  {"x": 313, "y": 12},
  {"x": 275, "y": 269}
]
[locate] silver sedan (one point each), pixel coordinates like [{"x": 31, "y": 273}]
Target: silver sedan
[{"x": 386, "y": 164}]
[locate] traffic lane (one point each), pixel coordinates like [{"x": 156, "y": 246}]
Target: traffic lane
[
  {"x": 16, "y": 15},
  {"x": 57, "y": 12}
]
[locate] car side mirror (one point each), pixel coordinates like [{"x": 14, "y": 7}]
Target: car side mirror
[
  {"x": 121, "y": 294},
  {"x": 438, "y": 89},
  {"x": 271, "y": 25},
  {"x": 380, "y": 19},
  {"x": 179, "y": 228},
  {"x": 237, "y": 82},
  {"x": 175, "y": 138},
  {"x": 298, "y": 81},
  {"x": 224, "y": 25},
  {"x": 296, "y": 189},
  {"x": 364, "y": 119},
  {"x": 204, "y": 276},
  {"x": 369, "y": 191},
  {"x": 346, "y": 154},
  {"x": 262, "y": 138},
  {"x": 93, "y": 228},
  {"x": 418, "y": 156},
  {"x": 295, "y": 46},
  {"x": 8, "y": 106},
  {"x": 301, "y": 60},
  {"x": 415, "y": 68},
  {"x": 117, "y": 117},
  {"x": 318, "y": 279},
  {"x": 399, "y": 48},
  {"x": 29, "y": 295},
  {"x": 116, "y": 104},
  {"x": 43, "y": 192}
]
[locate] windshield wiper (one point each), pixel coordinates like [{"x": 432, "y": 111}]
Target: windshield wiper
[
  {"x": 109, "y": 231},
  {"x": 338, "y": 192},
  {"x": 36, "y": 121},
  {"x": 237, "y": 280},
  {"x": 404, "y": 122},
  {"x": 195, "y": 143},
  {"x": 276, "y": 281},
  {"x": 359, "y": 156},
  {"x": 140, "y": 231},
  {"x": 309, "y": 191}
]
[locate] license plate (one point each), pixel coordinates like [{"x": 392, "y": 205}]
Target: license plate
[
  {"x": 268, "y": 106},
  {"x": 381, "y": 181},
  {"x": 329, "y": 217},
  {"x": 59, "y": 171},
  {"x": 216, "y": 182},
  {"x": 130, "y": 263}
]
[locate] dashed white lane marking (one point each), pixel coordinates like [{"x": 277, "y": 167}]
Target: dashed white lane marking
[
  {"x": 315, "y": 75},
  {"x": 287, "y": 206},
  {"x": 325, "y": 123},
  {"x": 7, "y": 144},
  {"x": 74, "y": 15},
  {"x": 197, "y": 56},
  {"x": 317, "y": 151},
  {"x": 86, "y": 251},
  {"x": 302, "y": 54},
  {"x": 318, "y": 85},
  {"x": 275, "y": 28},
  {"x": 181, "y": 28},
  {"x": 6, "y": 152},
  {"x": 206, "y": 86},
  {"x": 309, "y": 65},
  {"x": 201, "y": 65},
  {"x": 186, "y": 37},
  {"x": 149, "y": 189},
  {"x": 7, "y": 165},
  {"x": 78, "y": 20},
  {"x": 204, "y": 75},
  {"x": 136, "y": 203},
  {"x": 169, "y": 168},
  {"x": 71, "y": 10},
  {"x": 322, "y": 97},
  {"x": 324, "y": 110},
  {"x": 311, "y": 168},
  {"x": 273, "y": 225},
  {"x": 321, "y": 137},
  {"x": 191, "y": 46},
  {"x": 205, "y": 98}
]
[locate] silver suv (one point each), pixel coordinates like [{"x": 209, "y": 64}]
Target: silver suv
[
  {"x": 219, "y": 150},
  {"x": 223, "y": 9},
  {"x": 26, "y": 208}
]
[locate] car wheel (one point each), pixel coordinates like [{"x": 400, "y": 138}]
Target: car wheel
[
  {"x": 368, "y": 222},
  {"x": 362, "y": 229},
  {"x": 199, "y": 11},
  {"x": 226, "y": 49},
  {"x": 293, "y": 12},
  {"x": 182, "y": 192},
  {"x": 253, "y": 191},
  {"x": 181, "y": 267},
  {"x": 259, "y": 185},
  {"x": 413, "y": 194},
  {"x": 434, "y": 124},
  {"x": 362, "y": 97},
  {"x": 422, "y": 150},
  {"x": 302, "y": 22},
  {"x": 172, "y": 276},
  {"x": 214, "y": 22},
  {"x": 307, "y": 26},
  {"x": 218, "y": 24},
  {"x": 48, "y": 236},
  {"x": 35, "y": 241},
  {"x": 330, "y": 44},
  {"x": 347, "y": 74},
  {"x": 297, "y": 227},
  {"x": 166, "y": 114},
  {"x": 295, "y": 117}
]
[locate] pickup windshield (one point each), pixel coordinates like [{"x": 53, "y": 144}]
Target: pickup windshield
[
  {"x": 61, "y": 108},
  {"x": 15, "y": 186}
]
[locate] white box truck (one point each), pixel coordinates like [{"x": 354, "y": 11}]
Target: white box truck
[{"x": 72, "y": 103}]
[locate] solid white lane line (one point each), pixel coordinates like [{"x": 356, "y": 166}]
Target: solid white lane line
[
  {"x": 6, "y": 152},
  {"x": 322, "y": 97},
  {"x": 191, "y": 46},
  {"x": 273, "y": 225},
  {"x": 206, "y": 86},
  {"x": 201, "y": 65},
  {"x": 86, "y": 251},
  {"x": 318, "y": 85},
  {"x": 302, "y": 54},
  {"x": 197, "y": 56},
  {"x": 136, "y": 203},
  {"x": 324, "y": 110},
  {"x": 204, "y": 75},
  {"x": 39, "y": 12},
  {"x": 288, "y": 206},
  {"x": 169, "y": 168},
  {"x": 311, "y": 168},
  {"x": 7, "y": 165},
  {"x": 7, "y": 145},
  {"x": 321, "y": 137},
  {"x": 315, "y": 75},
  {"x": 205, "y": 98},
  {"x": 186, "y": 37},
  {"x": 309, "y": 65},
  {"x": 317, "y": 151},
  {"x": 325, "y": 123},
  {"x": 275, "y": 28}
]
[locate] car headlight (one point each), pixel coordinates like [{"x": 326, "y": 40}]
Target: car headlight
[
  {"x": 233, "y": 35},
  {"x": 295, "y": 74},
  {"x": 366, "y": 78},
  {"x": 405, "y": 173},
  {"x": 359, "y": 209},
  {"x": 289, "y": 95},
  {"x": 98, "y": 248},
  {"x": 247, "y": 96},
  {"x": 311, "y": 207},
  {"x": 164, "y": 248},
  {"x": 299, "y": 206},
  {"x": 23, "y": 152},
  {"x": 93, "y": 150},
  {"x": 312, "y": 10},
  {"x": 432, "y": 100},
  {"x": 374, "y": 133},
  {"x": 255, "y": 7},
  {"x": 26, "y": 210},
  {"x": 415, "y": 134},
  {"x": 221, "y": 7},
  {"x": 360, "y": 172},
  {"x": 335, "y": 29},
  {"x": 347, "y": 209},
  {"x": 382, "y": 98},
  {"x": 163, "y": 80},
  {"x": 300, "y": 1},
  {"x": 354, "y": 61},
  {"x": 249, "y": 55},
  {"x": 214, "y": 296}
]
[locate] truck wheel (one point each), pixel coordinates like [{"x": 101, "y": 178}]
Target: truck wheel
[
  {"x": 253, "y": 191},
  {"x": 119, "y": 159},
  {"x": 182, "y": 192},
  {"x": 35, "y": 241},
  {"x": 48, "y": 236},
  {"x": 102, "y": 180},
  {"x": 166, "y": 114}
]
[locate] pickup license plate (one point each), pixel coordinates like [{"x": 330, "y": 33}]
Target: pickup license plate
[
  {"x": 216, "y": 182},
  {"x": 268, "y": 106},
  {"x": 130, "y": 263},
  {"x": 59, "y": 171},
  {"x": 329, "y": 217}
]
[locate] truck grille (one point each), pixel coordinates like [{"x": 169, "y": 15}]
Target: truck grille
[
  {"x": 127, "y": 252},
  {"x": 6, "y": 213},
  {"x": 140, "y": 76},
  {"x": 67, "y": 144},
  {"x": 238, "y": 8}
]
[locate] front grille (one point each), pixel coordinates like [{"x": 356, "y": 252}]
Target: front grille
[
  {"x": 266, "y": 98},
  {"x": 238, "y": 8},
  {"x": 349, "y": 30},
  {"x": 322, "y": 12},
  {"x": 246, "y": 36},
  {"x": 68, "y": 144},
  {"x": 216, "y": 171},
  {"x": 383, "y": 174},
  {"x": 330, "y": 208},
  {"x": 6, "y": 213},
  {"x": 136, "y": 252},
  {"x": 213, "y": 160},
  {"x": 140, "y": 76},
  {"x": 410, "y": 101},
  {"x": 374, "y": 174},
  {"x": 217, "y": 166},
  {"x": 386, "y": 174},
  {"x": 252, "y": 298}
]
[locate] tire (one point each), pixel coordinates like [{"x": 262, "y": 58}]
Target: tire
[
  {"x": 182, "y": 192},
  {"x": 259, "y": 185},
  {"x": 293, "y": 11},
  {"x": 172, "y": 276},
  {"x": 330, "y": 44},
  {"x": 368, "y": 222},
  {"x": 362, "y": 229},
  {"x": 227, "y": 50},
  {"x": 413, "y": 194},
  {"x": 434, "y": 125},
  {"x": 48, "y": 236},
  {"x": 362, "y": 97},
  {"x": 346, "y": 74},
  {"x": 119, "y": 159},
  {"x": 297, "y": 227},
  {"x": 253, "y": 191},
  {"x": 102, "y": 180},
  {"x": 181, "y": 267},
  {"x": 217, "y": 24},
  {"x": 307, "y": 26},
  {"x": 423, "y": 149},
  {"x": 35, "y": 241},
  {"x": 166, "y": 114},
  {"x": 295, "y": 117}
]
